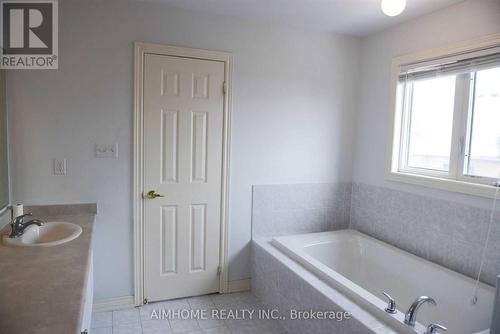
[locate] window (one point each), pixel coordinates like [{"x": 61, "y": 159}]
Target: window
[
  {"x": 483, "y": 147},
  {"x": 447, "y": 119},
  {"x": 431, "y": 105}
]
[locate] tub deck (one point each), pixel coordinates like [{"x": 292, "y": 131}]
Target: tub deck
[{"x": 362, "y": 268}]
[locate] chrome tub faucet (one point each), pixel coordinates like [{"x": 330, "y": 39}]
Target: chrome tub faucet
[{"x": 411, "y": 314}]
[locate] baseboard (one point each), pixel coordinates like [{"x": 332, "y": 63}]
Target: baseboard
[
  {"x": 239, "y": 285},
  {"x": 111, "y": 304}
]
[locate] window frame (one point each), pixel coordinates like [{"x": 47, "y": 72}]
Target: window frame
[{"x": 397, "y": 153}]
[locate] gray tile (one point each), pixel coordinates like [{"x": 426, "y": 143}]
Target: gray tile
[
  {"x": 210, "y": 323},
  {"x": 102, "y": 330},
  {"x": 470, "y": 224},
  {"x": 196, "y": 302},
  {"x": 428, "y": 227},
  {"x": 287, "y": 197},
  {"x": 151, "y": 311},
  {"x": 101, "y": 319},
  {"x": 335, "y": 219},
  {"x": 362, "y": 220},
  {"x": 301, "y": 221},
  {"x": 156, "y": 327},
  {"x": 262, "y": 210},
  {"x": 299, "y": 208},
  {"x": 234, "y": 299},
  {"x": 272, "y": 327},
  {"x": 348, "y": 199},
  {"x": 264, "y": 287},
  {"x": 320, "y": 195},
  {"x": 440, "y": 248},
  {"x": 438, "y": 215},
  {"x": 466, "y": 258},
  {"x": 211, "y": 319},
  {"x": 175, "y": 304},
  {"x": 155, "y": 310},
  {"x": 491, "y": 269},
  {"x": 128, "y": 316},
  {"x": 408, "y": 208},
  {"x": 262, "y": 196},
  {"x": 368, "y": 197},
  {"x": 183, "y": 326},
  {"x": 292, "y": 285},
  {"x": 387, "y": 228},
  {"x": 494, "y": 242},
  {"x": 130, "y": 328},
  {"x": 245, "y": 327},
  {"x": 217, "y": 330},
  {"x": 441, "y": 231}
]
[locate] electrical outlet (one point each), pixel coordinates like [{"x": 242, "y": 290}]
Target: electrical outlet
[
  {"x": 106, "y": 150},
  {"x": 59, "y": 166}
]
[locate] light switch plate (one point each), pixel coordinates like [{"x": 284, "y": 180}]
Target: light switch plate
[
  {"x": 106, "y": 150},
  {"x": 59, "y": 166}
]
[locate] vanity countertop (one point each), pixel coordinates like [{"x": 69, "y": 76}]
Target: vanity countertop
[{"x": 42, "y": 289}]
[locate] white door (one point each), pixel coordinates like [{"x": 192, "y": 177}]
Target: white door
[{"x": 183, "y": 138}]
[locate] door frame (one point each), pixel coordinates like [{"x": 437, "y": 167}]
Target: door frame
[{"x": 140, "y": 50}]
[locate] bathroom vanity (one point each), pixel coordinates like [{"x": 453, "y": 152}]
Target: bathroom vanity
[{"x": 56, "y": 280}]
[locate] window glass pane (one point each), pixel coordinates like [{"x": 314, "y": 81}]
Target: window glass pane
[
  {"x": 484, "y": 158},
  {"x": 431, "y": 123}
]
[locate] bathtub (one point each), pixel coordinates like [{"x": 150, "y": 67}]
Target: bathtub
[{"x": 362, "y": 267}]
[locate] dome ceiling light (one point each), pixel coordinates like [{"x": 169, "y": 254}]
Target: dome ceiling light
[{"x": 393, "y": 7}]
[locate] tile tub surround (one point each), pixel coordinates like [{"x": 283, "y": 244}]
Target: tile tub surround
[
  {"x": 444, "y": 232},
  {"x": 138, "y": 320},
  {"x": 281, "y": 283},
  {"x": 52, "y": 279},
  {"x": 299, "y": 208}
]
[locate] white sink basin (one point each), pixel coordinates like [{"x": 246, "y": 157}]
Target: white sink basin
[{"x": 49, "y": 234}]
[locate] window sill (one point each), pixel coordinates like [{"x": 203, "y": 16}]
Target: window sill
[{"x": 463, "y": 187}]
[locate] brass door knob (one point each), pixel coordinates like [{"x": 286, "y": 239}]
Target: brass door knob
[{"x": 153, "y": 194}]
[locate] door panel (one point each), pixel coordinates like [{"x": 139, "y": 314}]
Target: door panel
[
  {"x": 169, "y": 240},
  {"x": 169, "y": 159},
  {"x": 183, "y": 129}
]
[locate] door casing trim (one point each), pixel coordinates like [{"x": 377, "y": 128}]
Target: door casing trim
[{"x": 140, "y": 50}]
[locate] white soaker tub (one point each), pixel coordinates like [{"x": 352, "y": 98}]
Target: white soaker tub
[{"x": 362, "y": 268}]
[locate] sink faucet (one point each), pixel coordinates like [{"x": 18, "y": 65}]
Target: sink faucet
[
  {"x": 18, "y": 225},
  {"x": 411, "y": 314}
]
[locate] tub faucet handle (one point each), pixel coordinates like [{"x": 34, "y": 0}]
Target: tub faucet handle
[
  {"x": 434, "y": 328},
  {"x": 391, "y": 304}
]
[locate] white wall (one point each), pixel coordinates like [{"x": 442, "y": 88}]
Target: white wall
[
  {"x": 292, "y": 116},
  {"x": 460, "y": 22}
]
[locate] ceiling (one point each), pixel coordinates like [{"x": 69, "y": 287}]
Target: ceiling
[{"x": 354, "y": 17}]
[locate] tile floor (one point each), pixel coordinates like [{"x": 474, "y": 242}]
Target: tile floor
[{"x": 138, "y": 320}]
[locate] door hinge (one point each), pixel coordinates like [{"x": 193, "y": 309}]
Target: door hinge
[
  {"x": 145, "y": 301},
  {"x": 219, "y": 270},
  {"x": 224, "y": 88}
]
